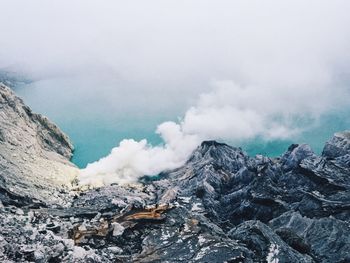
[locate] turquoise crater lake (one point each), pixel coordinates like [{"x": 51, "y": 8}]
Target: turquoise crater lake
[{"x": 96, "y": 120}]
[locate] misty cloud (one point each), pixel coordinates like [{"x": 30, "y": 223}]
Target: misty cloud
[
  {"x": 132, "y": 159},
  {"x": 238, "y": 69}
]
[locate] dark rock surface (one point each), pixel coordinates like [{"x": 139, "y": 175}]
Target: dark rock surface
[{"x": 221, "y": 206}]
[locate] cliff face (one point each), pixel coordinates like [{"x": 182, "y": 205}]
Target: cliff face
[
  {"x": 221, "y": 206},
  {"x": 34, "y": 154}
]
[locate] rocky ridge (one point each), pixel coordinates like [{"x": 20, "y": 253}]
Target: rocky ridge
[
  {"x": 221, "y": 206},
  {"x": 34, "y": 155}
]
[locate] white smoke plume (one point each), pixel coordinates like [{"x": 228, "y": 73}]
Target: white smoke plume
[{"x": 132, "y": 159}]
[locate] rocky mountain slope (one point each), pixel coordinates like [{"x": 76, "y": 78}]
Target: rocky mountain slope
[
  {"x": 221, "y": 206},
  {"x": 34, "y": 155}
]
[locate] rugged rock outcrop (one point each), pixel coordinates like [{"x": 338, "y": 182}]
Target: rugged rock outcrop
[
  {"x": 34, "y": 155},
  {"x": 338, "y": 148},
  {"x": 221, "y": 206}
]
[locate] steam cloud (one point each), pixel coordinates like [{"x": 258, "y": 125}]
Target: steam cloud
[
  {"x": 229, "y": 112},
  {"x": 132, "y": 159},
  {"x": 263, "y": 69}
]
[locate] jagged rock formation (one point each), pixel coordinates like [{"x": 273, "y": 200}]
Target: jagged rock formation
[
  {"x": 221, "y": 206},
  {"x": 338, "y": 148},
  {"x": 34, "y": 155}
]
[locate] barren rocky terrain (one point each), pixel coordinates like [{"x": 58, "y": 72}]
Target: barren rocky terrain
[{"x": 221, "y": 206}]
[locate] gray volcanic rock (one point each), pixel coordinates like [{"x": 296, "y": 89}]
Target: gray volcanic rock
[
  {"x": 34, "y": 154},
  {"x": 328, "y": 238},
  {"x": 295, "y": 154},
  {"x": 338, "y": 146},
  {"x": 221, "y": 206},
  {"x": 266, "y": 244},
  {"x": 232, "y": 188}
]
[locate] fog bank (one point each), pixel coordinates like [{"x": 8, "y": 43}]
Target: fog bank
[{"x": 238, "y": 70}]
